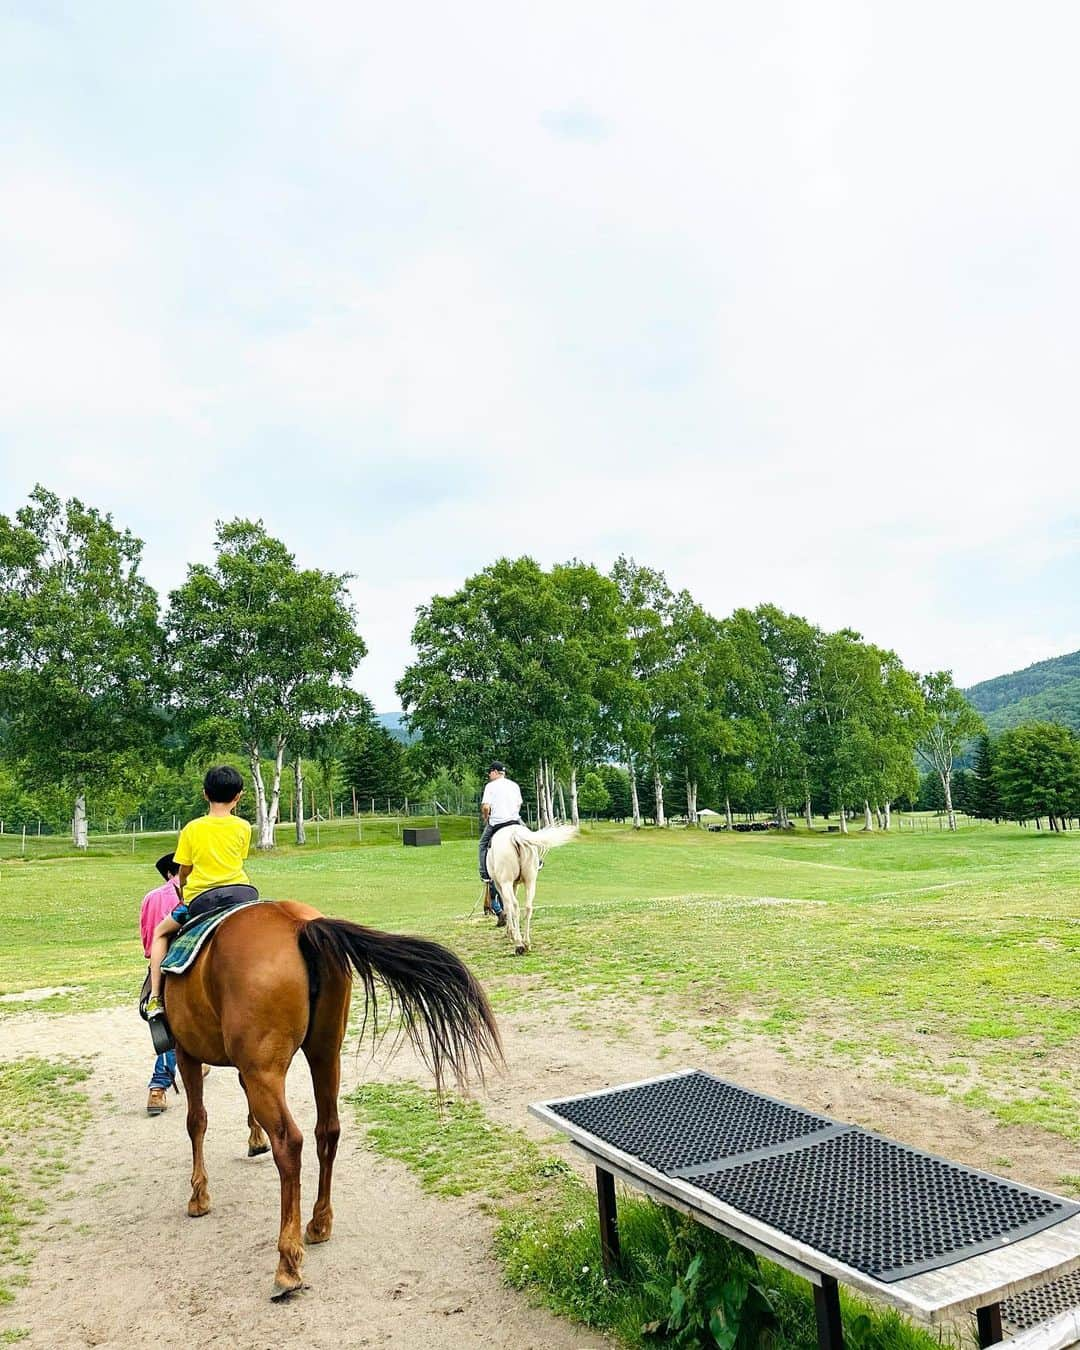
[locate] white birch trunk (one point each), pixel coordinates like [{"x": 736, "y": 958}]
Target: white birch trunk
[
  {"x": 808, "y": 812},
  {"x": 562, "y": 801},
  {"x": 298, "y": 810},
  {"x": 266, "y": 834},
  {"x": 78, "y": 822},
  {"x": 868, "y": 819},
  {"x": 575, "y": 819},
  {"x": 886, "y": 814},
  {"x": 658, "y": 794},
  {"x": 635, "y": 805},
  {"x": 946, "y": 783},
  {"x": 259, "y": 788},
  {"x": 691, "y": 800},
  {"x": 843, "y": 820},
  {"x": 727, "y": 812}
]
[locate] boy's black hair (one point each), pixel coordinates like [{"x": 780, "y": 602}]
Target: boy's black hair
[
  {"x": 167, "y": 866},
  {"x": 223, "y": 783}
]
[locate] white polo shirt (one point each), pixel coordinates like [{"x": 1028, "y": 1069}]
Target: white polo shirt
[{"x": 504, "y": 797}]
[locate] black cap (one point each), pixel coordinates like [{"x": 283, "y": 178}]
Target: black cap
[
  {"x": 497, "y": 766},
  {"x": 166, "y": 864}
]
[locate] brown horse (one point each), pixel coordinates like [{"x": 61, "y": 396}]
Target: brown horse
[{"x": 277, "y": 978}]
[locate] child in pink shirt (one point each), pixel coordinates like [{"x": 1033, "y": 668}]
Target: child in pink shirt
[{"x": 155, "y": 906}]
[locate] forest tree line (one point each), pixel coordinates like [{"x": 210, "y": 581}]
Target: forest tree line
[{"x": 607, "y": 694}]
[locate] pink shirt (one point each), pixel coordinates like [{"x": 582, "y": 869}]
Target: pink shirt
[{"x": 155, "y": 906}]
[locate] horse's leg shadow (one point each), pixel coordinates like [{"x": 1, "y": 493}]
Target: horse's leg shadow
[
  {"x": 191, "y": 1073},
  {"x": 257, "y": 1140}
]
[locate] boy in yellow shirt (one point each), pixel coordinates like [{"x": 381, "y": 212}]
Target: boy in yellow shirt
[{"x": 210, "y": 853}]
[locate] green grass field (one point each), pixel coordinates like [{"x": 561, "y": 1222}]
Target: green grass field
[
  {"x": 950, "y": 960},
  {"x": 945, "y": 962}
]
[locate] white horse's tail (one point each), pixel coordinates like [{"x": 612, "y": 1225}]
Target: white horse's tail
[{"x": 542, "y": 840}]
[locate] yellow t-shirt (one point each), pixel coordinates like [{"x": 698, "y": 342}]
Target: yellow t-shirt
[{"x": 215, "y": 848}]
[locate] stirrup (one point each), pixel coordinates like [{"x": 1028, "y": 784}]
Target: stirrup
[{"x": 161, "y": 1035}]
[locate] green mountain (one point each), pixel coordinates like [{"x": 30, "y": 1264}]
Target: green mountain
[{"x": 1048, "y": 691}]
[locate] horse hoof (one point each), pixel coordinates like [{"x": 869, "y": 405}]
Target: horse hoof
[
  {"x": 196, "y": 1209},
  {"x": 313, "y": 1236},
  {"x": 254, "y": 1152},
  {"x": 284, "y": 1291},
  {"x": 520, "y": 950}
]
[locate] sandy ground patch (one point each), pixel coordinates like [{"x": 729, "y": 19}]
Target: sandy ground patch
[{"x": 121, "y": 1264}]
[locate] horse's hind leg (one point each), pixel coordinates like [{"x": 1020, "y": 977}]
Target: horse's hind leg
[
  {"x": 530, "y": 870},
  {"x": 323, "y": 1050},
  {"x": 257, "y": 1140},
  {"x": 508, "y": 892},
  {"x": 191, "y": 1073},
  {"x": 266, "y": 1096}
]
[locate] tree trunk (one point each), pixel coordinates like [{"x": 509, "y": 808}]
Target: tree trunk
[
  {"x": 843, "y": 820},
  {"x": 298, "y": 800},
  {"x": 658, "y": 793},
  {"x": 808, "y": 812},
  {"x": 887, "y": 813},
  {"x": 546, "y": 807},
  {"x": 266, "y": 834},
  {"x": 575, "y": 818},
  {"x": 868, "y": 819},
  {"x": 78, "y": 822},
  {"x": 691, "y": 800},
  {"x": 562, "y": 800},
  {"x": 727, "y": 812},
  {"x": 635, "y": 805},
  {"x": 259, "y": 788},
  {"x": 946, "y": 783}
]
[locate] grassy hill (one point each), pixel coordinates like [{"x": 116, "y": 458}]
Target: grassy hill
[{"x": 1048, "y": 691}]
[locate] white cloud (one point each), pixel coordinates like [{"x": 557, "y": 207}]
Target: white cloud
[{"x": 778, "y": 298}]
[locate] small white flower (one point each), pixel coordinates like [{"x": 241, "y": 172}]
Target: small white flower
[{"x": 584, "y": 1270}]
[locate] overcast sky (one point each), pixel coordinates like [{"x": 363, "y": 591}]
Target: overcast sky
[{"x": 781, "y": 299}]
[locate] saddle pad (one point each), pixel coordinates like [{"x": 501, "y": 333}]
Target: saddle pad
[{"x": 187, "y": 944}]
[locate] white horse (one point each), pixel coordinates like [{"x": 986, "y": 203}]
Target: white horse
[{"x": 514, "y": 859}]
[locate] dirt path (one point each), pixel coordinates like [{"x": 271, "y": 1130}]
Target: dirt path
[{"x": 402, "y": 1268}]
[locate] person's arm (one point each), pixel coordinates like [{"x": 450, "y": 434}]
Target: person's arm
[
  {"x": 485, "y": 812},
  {"x": 183, "y": 859}
]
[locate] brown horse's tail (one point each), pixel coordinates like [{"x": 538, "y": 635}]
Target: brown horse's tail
[{"x": 443, "y": 1010}]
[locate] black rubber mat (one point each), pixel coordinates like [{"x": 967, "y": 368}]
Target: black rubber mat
[
  {"x": 1022, "y": 1311},
  {"x": 880, "y": 1207},
  {"x": 678, "y": 1124}
]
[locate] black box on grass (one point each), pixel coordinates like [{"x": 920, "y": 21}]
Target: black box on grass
[{"x": 420, "y": 837}]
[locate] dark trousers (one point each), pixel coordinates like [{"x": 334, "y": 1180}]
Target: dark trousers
[{"x": 485, "y": 843}]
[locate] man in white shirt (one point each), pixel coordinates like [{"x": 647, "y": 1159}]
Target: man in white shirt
[{"x": 499, "y": 806}]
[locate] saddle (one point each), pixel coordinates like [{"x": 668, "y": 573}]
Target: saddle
[{"x": 189, "y": 942}]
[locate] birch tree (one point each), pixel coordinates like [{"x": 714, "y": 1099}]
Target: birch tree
[
  {"x": 81, "y": 651},
  {"x": 950, "y": 722},
  {"x": 263, "y": 651},
  {"x": 643, "y": 703}
]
